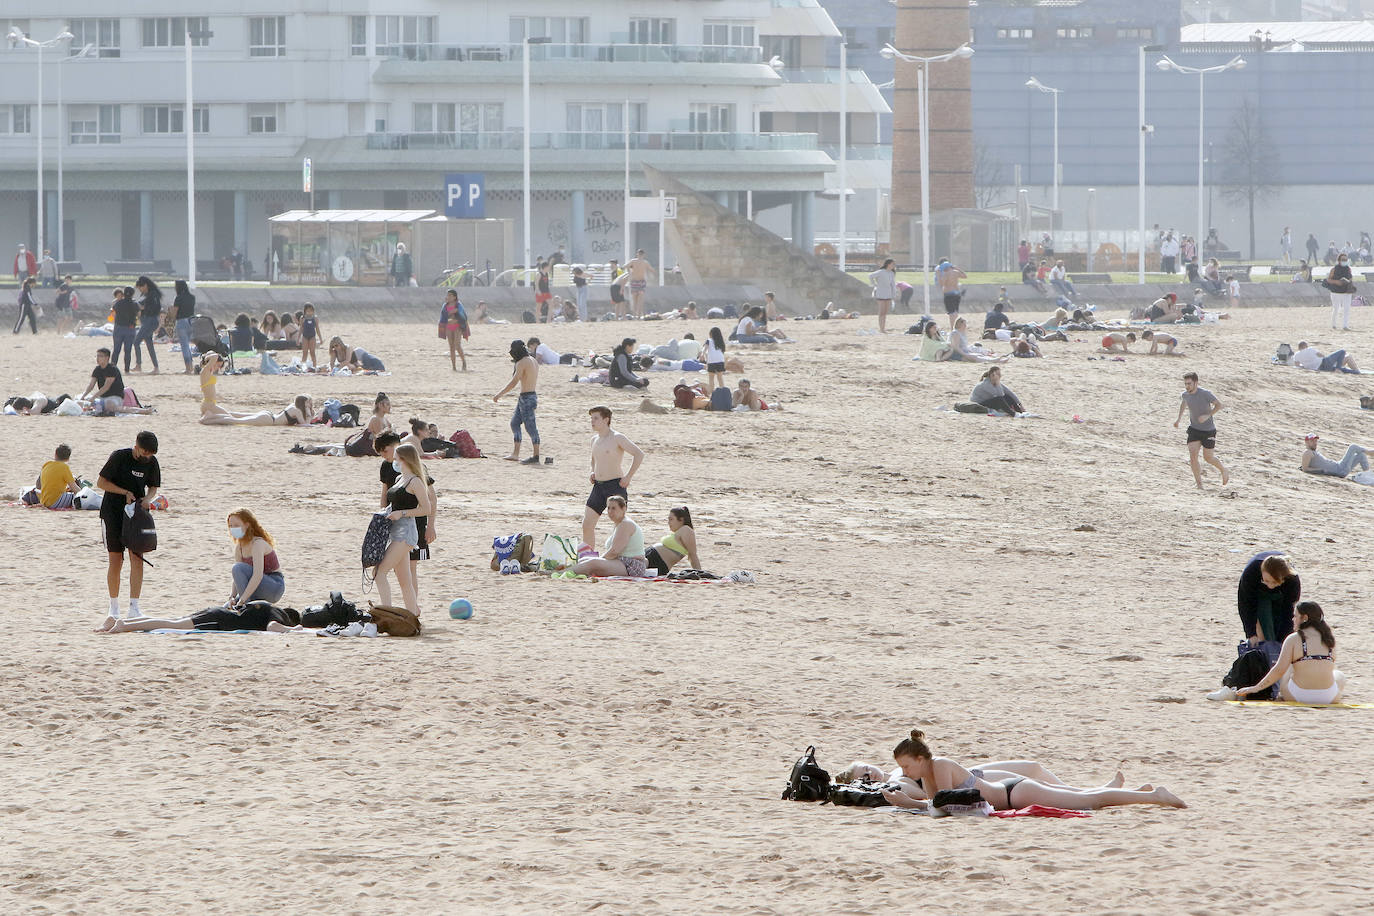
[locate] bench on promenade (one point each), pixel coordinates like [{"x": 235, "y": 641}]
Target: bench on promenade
[
  {"x": 139, "y": 268},
  {"x": 1090, "y": 278}
]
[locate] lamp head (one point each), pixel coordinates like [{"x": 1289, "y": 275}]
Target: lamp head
[
  {"x": 15, "y": 37},
  {"x": 887, "y": 52},
  {"x": 776, "y": 62},
  {"x": 64, "y": 36},
  {"x": 1164, "y": 64},
  {"x": 1238, "y": 63},
  {"x": 1033, "y": 83},
  {"x": 964, "y": 52}
]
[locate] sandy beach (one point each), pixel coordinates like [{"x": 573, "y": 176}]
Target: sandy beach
[{"x": 1040, "y": 589}]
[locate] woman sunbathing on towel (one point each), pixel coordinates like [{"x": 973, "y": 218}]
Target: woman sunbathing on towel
[
  {"x": 297, "y": 413},
  {"x": 859, "y": 771},
  {"x": 679, "y": 542},
  {"x": 1306, "y": 669},
  {"x": 256, "y": 615},
  {"x": 935, "y": 774},
  {"x": 623, "y": 554}
]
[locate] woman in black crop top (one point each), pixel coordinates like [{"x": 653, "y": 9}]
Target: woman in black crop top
[{"x": 408, "y": 499}]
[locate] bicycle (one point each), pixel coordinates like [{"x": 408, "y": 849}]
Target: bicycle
[{"x": 462, "y": 275}]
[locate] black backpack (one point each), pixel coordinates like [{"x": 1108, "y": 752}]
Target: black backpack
[
  {"x": 337, "y": 611},
  {"x": 138, "y": 532},
  {"x": 1247, "y": 671},
  {"x": 863, "y": 794},
  {"x": 808, "y": 781}
]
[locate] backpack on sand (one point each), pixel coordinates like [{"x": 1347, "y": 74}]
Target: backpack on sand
[
  {"x": 721, "y": 399},
  {"x": 1247, "y": 671},
  {"x": 861, "y": 794},
  {"x": 467, "y": 448},
  {"x": 337, "y": 611},
  {"x": 513, "y": 553},
  {"x": 1284, "y": 355},
  {"x": 394, "y": 621},
  {"x": 808, "y": 782}
]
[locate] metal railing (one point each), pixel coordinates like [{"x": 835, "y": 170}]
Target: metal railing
[
  {"x": 593, "y": 53},
  {"x": 591, "y": 140},
  {"x": 823, "y": 75}
]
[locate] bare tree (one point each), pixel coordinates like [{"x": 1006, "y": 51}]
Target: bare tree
[
  {"x": 1249, "y": 164},
  {"x": 989, "y": 176}
]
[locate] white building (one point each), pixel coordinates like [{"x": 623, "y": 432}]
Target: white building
[{"x": 385, "y": 98}]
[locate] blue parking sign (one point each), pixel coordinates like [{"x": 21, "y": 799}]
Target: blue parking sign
[{"x": 464, "y": 195}]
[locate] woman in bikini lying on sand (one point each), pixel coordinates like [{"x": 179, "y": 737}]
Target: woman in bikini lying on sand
[{"x": 935, "y": 774}]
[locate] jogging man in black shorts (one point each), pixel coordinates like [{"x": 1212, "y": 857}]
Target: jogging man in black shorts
[
  {"x": 1202, "y": 406},
  {"x": 128, "y": 474}
]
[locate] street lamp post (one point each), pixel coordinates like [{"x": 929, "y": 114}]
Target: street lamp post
[
  {"x": 1036, "y": 84},
  {"x": 61, "y": 142},
  {"x": 188, "y": 124},
  {"x": 17, "y": 37},
  {"x": 1234, "y": 63},
  {"x": 922, "y": 108},
  {"x": 525, "y": 89}
]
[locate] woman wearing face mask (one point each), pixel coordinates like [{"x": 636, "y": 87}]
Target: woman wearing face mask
[
  {"x": 1341, "y": 286},
  {"x": 386, "y": 445},
  {"x": 257, "y": 572}
]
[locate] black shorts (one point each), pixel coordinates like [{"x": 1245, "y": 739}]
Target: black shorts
[
  {"x": 1208, "y": 437},
  {"x": 952, "y": 303},
  {"x": 421, "y": 552},
  {"x": 655, "y": 561},
  {"x": 114, "y": 531},
  {"x": 603, "y": 490},
  {"x": 715, "y": 367}
]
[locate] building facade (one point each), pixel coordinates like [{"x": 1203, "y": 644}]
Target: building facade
[{"x": 384, "y": 99}]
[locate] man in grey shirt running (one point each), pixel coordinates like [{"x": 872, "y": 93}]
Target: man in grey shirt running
[{"x": 1202, "y": 406}]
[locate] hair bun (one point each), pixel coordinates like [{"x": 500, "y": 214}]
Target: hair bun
[{"x": 917, "y": 734}]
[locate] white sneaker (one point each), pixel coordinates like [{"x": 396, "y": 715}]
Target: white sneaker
[
  {"x": 1223, "y": 693},
  {"x": 370, "y": 630}
]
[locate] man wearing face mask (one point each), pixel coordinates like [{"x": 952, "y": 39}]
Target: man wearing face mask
[
  {"x": 526, "y": 375},
  {"x": 129, "y": 474},
  {"x": 1342, "y": 288}
]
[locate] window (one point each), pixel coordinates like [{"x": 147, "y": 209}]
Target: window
[
  {"x": 102, "y": 33},
  {"x": 785, "y": 47},
  {"x": 432, "y": 117},
  {"x": 724, "y": 32},
  {"x": 711, "y": 117},
  {"x": 1075, "y": 32},
  {"x": 357, "y": 36},
  {"x": 170, "y": 119},
  {"x": 884, "y": 36},
  {"x": 267, "y": 36},
  {"x": 263, "y": 119},
  {"x": 1016, "y": 33},
  {"x": 357, "y": 118},
  {"x": 16, "y": 119},
  {"x": 598, "y": 125},
  {"x": 170, "y": 32},
  {"x": 94, "y": 124},
  {"x": 851, "y": 35},
  {"x": 558, "y": 29},
  {"x": 1135, "y": 34},
  {"x": 653, "y": 31},
  {"x": 410, "y": 37}
]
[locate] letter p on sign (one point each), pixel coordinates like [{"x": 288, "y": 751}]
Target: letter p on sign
[{"x": 464, "y": 195}]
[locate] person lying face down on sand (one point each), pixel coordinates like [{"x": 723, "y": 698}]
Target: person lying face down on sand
[
  {"x": 745, "y": 395},
  {"x": 936, "y": 774},
  {"x": 1306, "y": 669},
  {"x": 995, "y": 770},
  {"x": 1159, "y": 339},
  {"x": 255, "y": 615}
]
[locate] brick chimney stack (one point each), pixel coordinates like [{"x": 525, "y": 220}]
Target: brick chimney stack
[{"x": 927, "y": 28}]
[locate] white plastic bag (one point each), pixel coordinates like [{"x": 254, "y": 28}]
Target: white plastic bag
[
  {"x": 69, "y": 408},
  {"x": 557, "y": 553},
  {"x": 89, "y": 497}
]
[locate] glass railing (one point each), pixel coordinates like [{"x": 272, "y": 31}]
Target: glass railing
[
  {"x": 860, "y": 151},
  {"x": 591, "y": 140},
  {"x": 603, "y": 53}
]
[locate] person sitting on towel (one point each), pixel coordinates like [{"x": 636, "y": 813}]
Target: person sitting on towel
[
  {"x": 623, "y": 554},
  {"x": 992, "y": 394},
  {"x": 1306, "y": 669},
  {"x": 622, "y": 376},
  {"x": 679, "y": 542}
]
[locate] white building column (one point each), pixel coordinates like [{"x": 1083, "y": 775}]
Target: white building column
[
  {"x": 334, "y": 200},
  {"x": 50, "y": 226},
  {"x": 578, "y": 219},
  {"x": 241, "y": 223},
  {"x": 145, "y": 225}
]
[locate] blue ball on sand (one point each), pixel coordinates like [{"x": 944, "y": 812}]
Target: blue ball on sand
[{"x": 460, "y": 609}]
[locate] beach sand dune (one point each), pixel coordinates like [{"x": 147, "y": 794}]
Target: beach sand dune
[{"x": 1039, "y": 589}]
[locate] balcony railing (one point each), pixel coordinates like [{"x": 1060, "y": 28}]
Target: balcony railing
[
  {"x": 859, "y": 151},
  {"x": 591, "y": 140},
  {"x": 593, "y": 53},
  {"x": 826, "y": 75}
]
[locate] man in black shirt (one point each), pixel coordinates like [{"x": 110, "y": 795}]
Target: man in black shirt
[
  {"x": 107, "y": 384},
  {"x": 125, "y": 324},
  {"x": 128, "y": 474}
]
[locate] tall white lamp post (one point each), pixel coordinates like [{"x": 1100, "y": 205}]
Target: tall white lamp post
[
  {"x": 922, "y": 107},
  {"x": 1036, "y": 84},
  {"x": 1234, "y": 63},
  {"x": 188, "y": 124},
  {"x": 16, "y": 38},
  {"x": 61, "y": 142},
  {"x": 525, "y": 89}
]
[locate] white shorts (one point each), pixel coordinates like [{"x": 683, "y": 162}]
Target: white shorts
[{"x": 1304, "y": 695}]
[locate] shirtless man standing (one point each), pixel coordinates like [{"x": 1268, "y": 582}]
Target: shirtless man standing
[
  {"x": 608, "y": 451},
  {"x": 639, "y": 281},
  {"x": 948, "y": 276},
  {"x": 525, "y": 374}
]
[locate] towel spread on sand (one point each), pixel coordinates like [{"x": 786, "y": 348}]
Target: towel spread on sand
[
  {"x": 1040, "y": 811},
  {"x": 1275, "y": 703}
]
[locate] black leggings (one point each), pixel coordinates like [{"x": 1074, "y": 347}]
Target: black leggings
[{"x": 1007, "y": 404}]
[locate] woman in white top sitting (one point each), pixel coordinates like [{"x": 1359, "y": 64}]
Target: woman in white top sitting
[
  {"x": 961, "y": 351},
  {"x": 751, "y": 330},
  {"x": 623, "y": 554},
  {"x": 1306, "y": 669}
]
